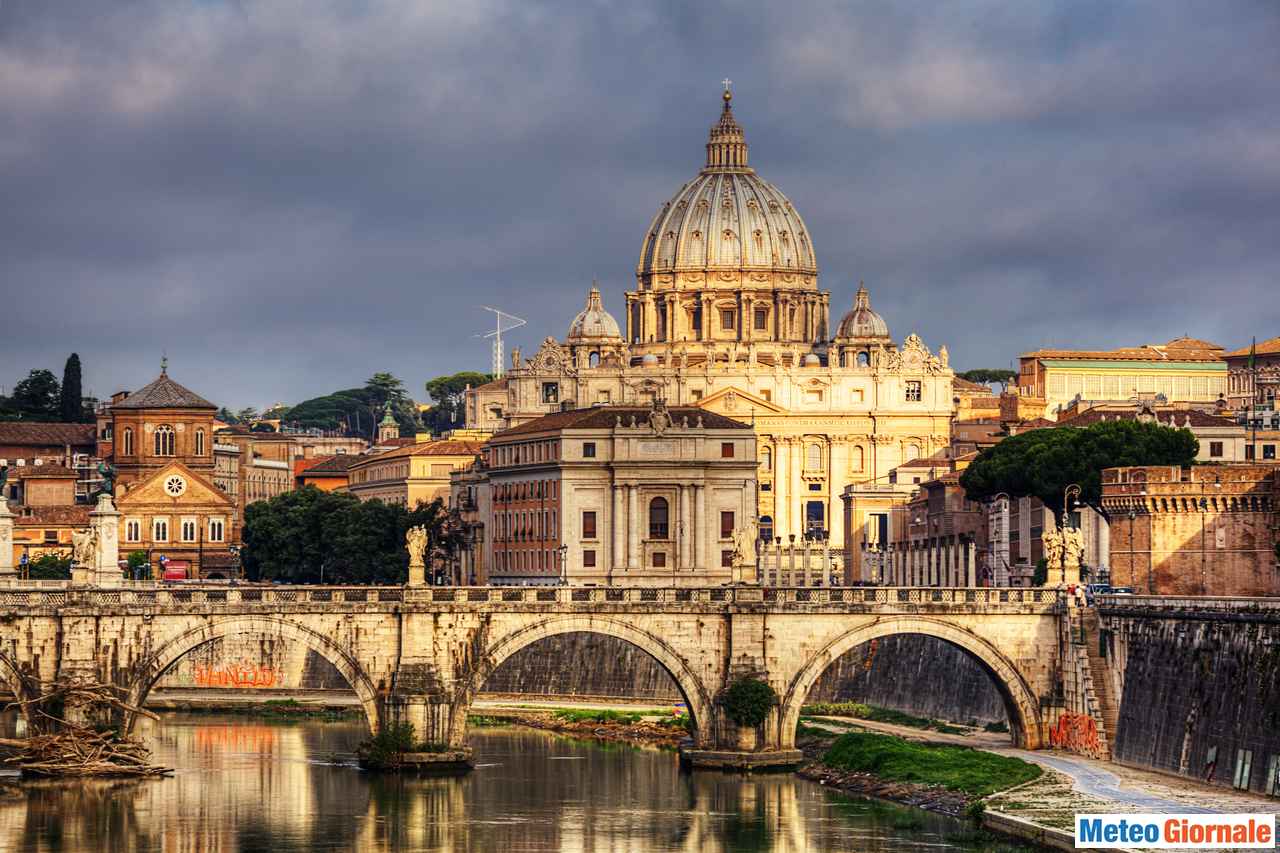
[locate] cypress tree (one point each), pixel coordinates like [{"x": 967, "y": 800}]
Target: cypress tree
[{"x": 70, "y": 403}]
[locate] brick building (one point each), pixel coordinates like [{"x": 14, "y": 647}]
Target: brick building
[
  {"x": 618, "y": 495},
  {"x": 25, "y": 444},
  {"x": 1204, "y": 530},
  {"x": 415, "y": 473},
  {"x": 1253, "y": 376}
]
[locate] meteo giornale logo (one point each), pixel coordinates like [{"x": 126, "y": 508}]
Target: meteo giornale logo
[{"x": 1175, "y": 831}]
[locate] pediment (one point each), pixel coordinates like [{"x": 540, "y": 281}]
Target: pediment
[
  {"x": 732, "y": 400},
  {"x": 197, "y": 490}
]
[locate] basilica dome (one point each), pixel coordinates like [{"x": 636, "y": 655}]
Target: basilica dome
[
  {"x": 727, "y": 218},
  {"x": 862, "y": 323},
  {"x": 593, "y": 323}
]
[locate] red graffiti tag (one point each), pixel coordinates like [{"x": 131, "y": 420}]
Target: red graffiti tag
[
  {"x": 236, "y": 676},
  {"x": 1076, "y": 733}
]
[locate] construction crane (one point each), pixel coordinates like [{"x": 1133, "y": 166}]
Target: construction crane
[{"x": 496, "y": 334}]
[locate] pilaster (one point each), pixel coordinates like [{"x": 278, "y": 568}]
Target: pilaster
[{"x": 6, "y": 542}]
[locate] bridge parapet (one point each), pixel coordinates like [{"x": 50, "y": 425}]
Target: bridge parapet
[{"x": 855, "y": 599}]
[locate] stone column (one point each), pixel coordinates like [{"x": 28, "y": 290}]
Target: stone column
[
  {"x": 650, "y": 318},
  {"x": 700, "y": 531},
  {"x": 6, "y": 542},
  {"x": 104, "y": 569},
  {"x": 685, "y": 528},
  {"x": 797, "y": 484},
  {"x": 618, "y": 526},
  {"x": 781, "y": 475},
  {"x": 633, "y": 527},
  {"x": 971, "y": 554},
  {"x": 837, "y": 473}
]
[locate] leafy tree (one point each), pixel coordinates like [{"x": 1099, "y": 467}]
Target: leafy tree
[
  {"x": 306, "y": 535},
  {"x": 985, "y": 376},
  {"x": 246, "y": 415},
  {"x": 262, "y": 427},
  {"x": 71, "y": 398},
  {"x": 1043, "y": 462},
  {"x": 448, "y": 394},
  {"x": 49, "y": 567},
  {"x": 748, "y": 701},
  {"x": 37, "y": 397}
]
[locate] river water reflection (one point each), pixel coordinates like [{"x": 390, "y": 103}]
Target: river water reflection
[{"x": 246, "y": 785}]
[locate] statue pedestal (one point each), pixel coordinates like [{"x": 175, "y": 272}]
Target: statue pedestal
[
  {"x": 7, "y": 571},
  {"x": 103, "y": 567},
  {"x": 417, "y": 573}
]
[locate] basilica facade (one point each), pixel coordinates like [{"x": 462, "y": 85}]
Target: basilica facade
[{"x": 727, "y": 316}]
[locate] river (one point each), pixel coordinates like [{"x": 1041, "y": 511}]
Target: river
[{"x": 249, "y": 785}]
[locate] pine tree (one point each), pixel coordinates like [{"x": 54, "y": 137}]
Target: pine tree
[{"x": 71, "y": 402}]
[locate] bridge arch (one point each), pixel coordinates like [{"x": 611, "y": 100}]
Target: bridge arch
[
  {"x": 1020, "y": 701},
  {"x": 695, "y": 694},
  {"x": 163, "y": 659}
]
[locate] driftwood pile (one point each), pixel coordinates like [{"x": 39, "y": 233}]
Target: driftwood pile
[{"x": 61, "y": 748}]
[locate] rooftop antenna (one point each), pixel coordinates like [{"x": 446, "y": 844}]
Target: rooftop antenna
[{"x": 496, "y": 334}]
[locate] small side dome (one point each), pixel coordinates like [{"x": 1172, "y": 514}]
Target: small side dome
[
  {"x": 812, "y": 360},
  {"x": 649, "y": 360},
  {"x": 593, "y": 323},
  {"x": 862, "y": 322}
]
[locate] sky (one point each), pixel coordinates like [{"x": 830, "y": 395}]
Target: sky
[{"x": 287, "y": 196}]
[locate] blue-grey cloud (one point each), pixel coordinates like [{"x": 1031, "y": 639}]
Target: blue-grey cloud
[{"x": 288, "y": 196}]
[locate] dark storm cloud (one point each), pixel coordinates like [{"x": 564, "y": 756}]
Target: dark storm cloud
[{"x": 288, "y": 196}]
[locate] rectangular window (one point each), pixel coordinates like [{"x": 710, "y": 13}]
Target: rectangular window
[
  {"x": 588, "y": 450},
  {"x": 766, "y": 395},
  {"x": 188, "y": 530},
  {"x": 589, "y": 524},
  {"x": 589, "y": 559},
  {"x": 160, "y": 530},
  {"x": 659, "y": 559},
  {"x": 51, "y": 536},
  {"x": 1250, "y": 452},
  {"x": 1215, "y": 449},
  {"x": 726, "y": 450},
  {"x": 728, "y": 320},
  {"x": 1268, "y": 451},
  {"x": 761, "y": 319},
  {"x": 133, "y": 530},
  {"x": 216, "y": 530},
  {"x": 726, "y": 559},
  {"x": 913, "y": 391},
  {"x": 726, "y": 524},
  {"x": 550, "y": 392}
]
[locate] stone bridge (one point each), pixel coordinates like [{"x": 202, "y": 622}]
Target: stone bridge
[{"x": 422, "y": 654}]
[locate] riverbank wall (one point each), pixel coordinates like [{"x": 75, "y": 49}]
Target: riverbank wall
[{"x": 1200, "y": 687}]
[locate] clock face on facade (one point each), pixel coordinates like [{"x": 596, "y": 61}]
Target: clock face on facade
[{"x": 175, "y": 486}]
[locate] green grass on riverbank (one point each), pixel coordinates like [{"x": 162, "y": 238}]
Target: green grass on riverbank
[
  {"x": 625, "y": 718},
  {"x": 956, "y": 768},
  {"x": 875, "y": 714}
]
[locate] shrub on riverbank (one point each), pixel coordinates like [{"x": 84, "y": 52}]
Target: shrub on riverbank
[
  {"x": 748, "y": 701},
  {"x": 859, "y": 711},
  {"x": 956, "y": 768},
  {"x": 386, "y": 749}
]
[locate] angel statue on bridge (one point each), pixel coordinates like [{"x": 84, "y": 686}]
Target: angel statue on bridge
[
  {"x": 84, "y": 547},
  {"x": 415, "y": 542}
]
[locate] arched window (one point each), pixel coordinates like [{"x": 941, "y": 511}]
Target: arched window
[
  {"x": 766, "y": 528},
  {"x": 766, "y": 459},
  {"x": 199, "y": 442},
  {"x": 813, "y": 458},
  {"x": 594, "y": 359},
  {"x": 913, "y": 452},
  {"x": 658, "y": 518},
  {"x": 857, "y": 458},
  {"x": 163, "y": 440},
  {"x": 126, "y": 442},
  {"x": 863, "y": 359}
]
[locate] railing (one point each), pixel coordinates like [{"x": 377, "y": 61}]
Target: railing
[
  {"x": 1188, "y": 602},
  {"x": 147, "y": 595}
]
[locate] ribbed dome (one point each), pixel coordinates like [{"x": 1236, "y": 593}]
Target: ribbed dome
[
  {"x": 728, "y": 217},
  {"x": 862, "y": 322},
  {"x": 593, "y": 322}
]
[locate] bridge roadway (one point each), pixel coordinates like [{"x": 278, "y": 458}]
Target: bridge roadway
[{"x": 421, "y": 654}]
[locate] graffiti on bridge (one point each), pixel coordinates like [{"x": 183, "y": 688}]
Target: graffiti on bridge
[
  {"x": 236, "y": 676},
  {"x": 1076, "y": 733}
]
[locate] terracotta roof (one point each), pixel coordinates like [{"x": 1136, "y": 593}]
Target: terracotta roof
[
  {"x": 54, "y": 516},
  {"x": 926, "y": 462},
  {"x": 26, "y": 472},
  {"x": 1165, "y": 416},
  {"x": 1271, "y": 346},
  {"x": 329, "y": 465},
  {"x": 605, "y": 417},
  {"x": 164, "y": 393},
  {"x": 968, "y": 387},
  {"x": 495, "y": 385},
  {"x": 445, "y": 447},
  {"x": 51, "y": 434},
  {"x": 1178, "y": 349}
]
